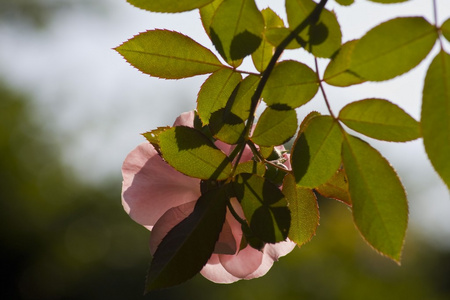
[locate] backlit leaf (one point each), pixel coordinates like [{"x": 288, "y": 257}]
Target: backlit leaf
[
  {"x": 251, "y": 167},
  {"x": 236, "y": 29},
  {"x": 379, "y": 205},
  {"x": 345, "y": 2},
  {"x": 187, "y": 247},
  {"x": 304, "y": 211},
  {"x": 316, "y": 153},
  {"x": 207, "y": 14},
  {"x": 388, "y": 1},
  {"x": 337, "y": 72},
  {"x": 321, "y": 39},
  {"x": 380, "y": 119},
  {"x": 291, "y": 83},
  {"x": 192, "y": 153},
  {"x": 435, "y": 119},
  {"x": 228, "y": 123},
  {"x": 385, "y": 51},
  {"x": 262, "y": 56},
  {"x": 275, "y": 127},
  {"x": 215, "y": 92},
  {"x": 445, "y": 29},
  {"x": 264, "y": 206},
  {"x": 276, "y": 35},
  {"x": 168, "y": 54},
  {"x": 336, "y": 187},
  {"x": 169, "y": 6}
]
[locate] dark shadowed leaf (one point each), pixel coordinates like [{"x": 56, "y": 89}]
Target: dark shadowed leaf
[
  {"x": 275, "y": 127},
  {"x": 168, "y": 54},
  {"x": 304, "y": 211},
  {"x": 236, "y": 29},
  {"x": 380, "y": 119},
  {"x": 264, "y": 206},
  {"x": 187, "y": 247},
  {"x": 316, "y": 153},
  {"x": 321, "y": 39},
  {"x": 337, "y": 72},
  {"x": 291, "y": 83},
  {"x": 435, "y": 119},
  {"x": 192, "y": 153},
  {"x": 169, "y": 6},
  {"x": 215, "y": 92},
  {"x": 379, "y": 205},
  {"x": 385, "y": 51}
]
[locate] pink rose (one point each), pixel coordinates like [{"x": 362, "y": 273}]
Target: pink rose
[{"x": 158, "y": 197}]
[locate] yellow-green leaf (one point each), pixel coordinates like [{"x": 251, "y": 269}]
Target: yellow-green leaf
[
  {"x": 321, "y": 39},
  {"x": 168, "y": 54},
  {"x": 379, "y": 205},
  {"x": 236, "y": 29},
  {"x": 388, "y": 1},
  {"x": 304, "y": 211},
  {"x": 168, "y": 6},
  {"x": 192, "y": 153},
  {"x": 336, "y": 187},
  {"x": 337, "y": 72},
  {"x": 207, "y": 14},
  {"x": 262, "y": 56},
  {"x": 435, "y": 119},
  {"x": 215, "y": 92},
  {"x": 316, "y": 152},
  {"x": 275, "y": 127},
  {"x": 386, "y": 50},
  {"x": 291, "y": 83},
  {"x": 445, "y": 29},
  {"x": 380, "y": 119}
]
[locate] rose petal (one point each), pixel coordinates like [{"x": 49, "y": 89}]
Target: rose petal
[
  {"x": 185, "y": 119},
  {"x": 244, "y": 263},
  {"x": 226, "y": 243},
  {"x": 150, "y": 186},
  {"x": 168, "y": 221},
  {"x": 215, "y": 272}
]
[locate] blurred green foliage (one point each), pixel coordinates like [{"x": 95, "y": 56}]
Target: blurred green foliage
[{"x": 61, "y": 239}]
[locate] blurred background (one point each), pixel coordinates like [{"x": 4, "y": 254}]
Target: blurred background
[{"x": 71, "y": 109}]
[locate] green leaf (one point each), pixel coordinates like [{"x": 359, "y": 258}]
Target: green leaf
[
  {"x": 345, "y": 2},
  {"x": 380, "y": 119},
  {"x": 388, "y": 1},
  {"x": 236, "y": 29},
  {"x": 262, "y": 56},
  {"x": 385, "y": 51},
  {"x": 227, "y": 124},
  {"x": 304, "y": 211},
  {"x": 445, "y": 29},
  {"x": 336, "y": 187},
  {"x": 215, "y": 92},
  {"x": 322, "y": 38},
  {"x": 337, "y": 72},
  {"x": 275, "y": 127},
  {"x": 435, "y": 119},
  {"x": 251, "y": 167},
  {"x": 291, "y": 83},
  {"x": 168, "y": 6},
  {"x": 379, "y": 205},
  {"x": 207, "y": 14},
  {"x": 187, "y": 247},
  {"x": 264, "y": 206},
  {"x": 316, "y": 152},
  {"x": 168, "y": 54},
  {"x": 192, "y": 153},
  {"x": 276, "y": 35}
]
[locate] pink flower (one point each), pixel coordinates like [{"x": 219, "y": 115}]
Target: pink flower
[{"x": 158, "y": 197}]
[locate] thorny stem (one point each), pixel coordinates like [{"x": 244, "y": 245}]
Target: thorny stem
[{"x": 322, "y": 89}]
